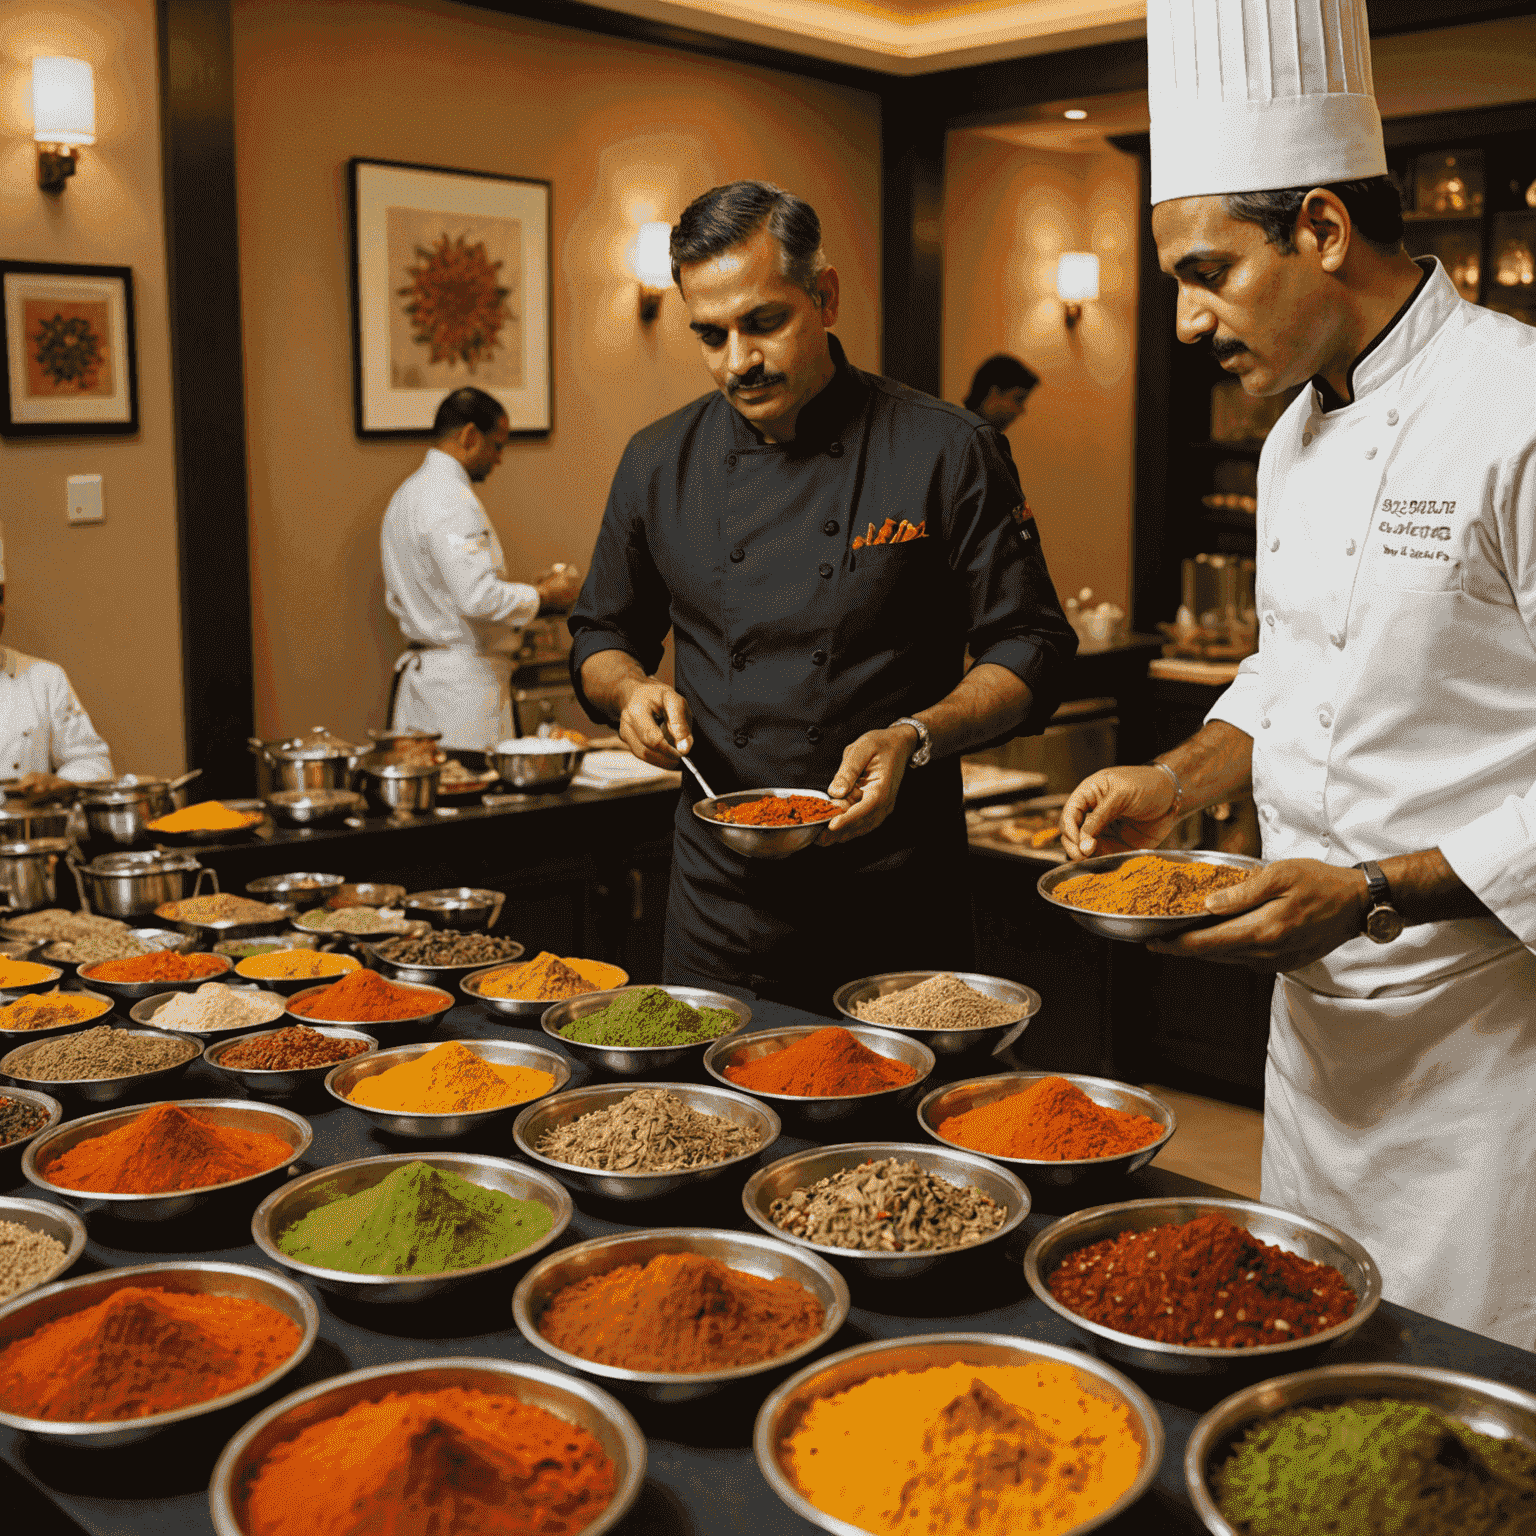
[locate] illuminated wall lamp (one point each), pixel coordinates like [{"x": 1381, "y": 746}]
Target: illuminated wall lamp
[
  {"x": 650, "y": 259},
  {"x": 63, "y": 117},
  {"x": 1077, "y": 281}
]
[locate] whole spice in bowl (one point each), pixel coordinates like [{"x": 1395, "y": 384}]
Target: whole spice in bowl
[
  {"x": 294, "y": 965},
  {"x": 360, "y": 920},
  {"x": 941, "y": 1002},
  {"x": 19, "y": 1118},
  {"x": 289, "y": 1050},
  {"x": 365, "y": 997},
  {"x": 1150, "y": 887},
  {"x": 220, "y": 908},
  {"x": 778, "y": 811},
  {"x": 26, "y": 1256},
  {"x": 157, "y": 965},
  {"x": 650, "y": 1131},
  {"x": 214, "y": 1006},
  {"x": 76, "y": 937},
  {"x": 450, "y": 1080},
  {"x": 47, "y": 1010},
  {"x": 549, "y": 979},
  {"x": 831, "y": 1063},
  {"x": 1052, "y": 1120},
  {"x": 647, "y": 1016},
  {"x": 96, "y": 1053},
  {"x": 444, "y": 946}
]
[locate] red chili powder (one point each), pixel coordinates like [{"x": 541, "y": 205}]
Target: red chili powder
[
  {"x": 828, "y": 1064},
  {"x": 778, "y": 811}
]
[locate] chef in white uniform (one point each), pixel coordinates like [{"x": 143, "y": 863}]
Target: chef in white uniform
[
  {"x": 445, "y": 581},
  {"x": 1388, "y": 721}
]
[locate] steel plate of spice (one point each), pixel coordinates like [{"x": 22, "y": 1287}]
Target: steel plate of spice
[
  {"x": 19, "y": 1118},
  {"x": 941, "y": 1002},
  {"x": 450, "y": 1080},
  {"x": 96, "y": 1053},
  {"x": 156, "y": 965},
  {"x": 364, "y": 997},
  {"x": 24, "y": 973},
  {"x": 45, "y": 1010},
  {"x": 76, "y": 937},
  {"x": 888, "y": 1206},
  {"x": 1375, "y": 1467},
  {"x": 418, "y": 1220},
  {"x": 1150, "y": 887},
  {"x": 549, "y": 979},
  {"x": 352, "y": 920},
  {"x": 222, "y": 908},
  {"x": 444, "y": 947},
  {"x": 294, "y": 965},
  {"x": 215, "y": 1006},
  {"x": 648, "y": 1016},
  {"x": 1052, "y": 1120},
  {"x": 829, "y": 1064},
  {"x": 778, "y": 811},
  {"x": 1206, "y": 1282},
  {"x": 288, "y": 1050},
  {"x": 26, "y": 1256},
  {"x": 648, "y": 1131}
]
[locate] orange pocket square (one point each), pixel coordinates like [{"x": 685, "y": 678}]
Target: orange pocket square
[{"x": 892, "y": 532}]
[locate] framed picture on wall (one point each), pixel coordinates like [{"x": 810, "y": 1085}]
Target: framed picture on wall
[
  {"x": 450, "y": 286},
  {"x": 67, "y": 366}
]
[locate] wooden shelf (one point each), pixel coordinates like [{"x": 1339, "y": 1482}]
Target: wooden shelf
[
  {"x": 1412, "y": 216},
  {"x": 1233, "y": 450}
]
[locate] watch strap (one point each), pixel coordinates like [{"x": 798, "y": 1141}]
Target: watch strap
[
  {"x": 1377, "y": 892},
  {"x": 919, "y": 758}
]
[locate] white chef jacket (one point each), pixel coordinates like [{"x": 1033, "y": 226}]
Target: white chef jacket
[
  {"x": 1392, "y": 706},
  {"x": 43, "y": 728},
  {"x": 445, "y": 582}
]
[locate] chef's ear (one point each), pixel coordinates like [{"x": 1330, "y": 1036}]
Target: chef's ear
[
  {"x": 1323, "y": 226},
  {"x": 827, "y": 294}
]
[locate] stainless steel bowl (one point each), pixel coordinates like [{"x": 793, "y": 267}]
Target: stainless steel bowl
[
  {"x": 210, "y": 934},
  {"x": 401, "y": 789},
  {"x": 945, "y": 1042},
  {"x": 537, "y": 773},
  {"x": 53, "y": 975},
  {"x": 299, "y": 1197},
  {"x": 137, "y": 991},
  {"x": 11, "y": 1152},
  {"x": 1117, "y": 925},
  {"x": 957, "y": 1098},
  {"x": 781, "y": 1414},
  {"x": 518, "y": 1007},
  {"x": 366, "y": 893},
  {"x": 797, "y": 1112},
  {"x": 99, "y": 1090},
  {"x": 301, "y": 890},
  {"x": 341, "y": 1080},
  {"x": 1489, "y": 1407},
  {"x": 444, "y": 976},
  {"x": 130, "y": 886},
  {"x": 55, "y": 1221},
  {"x": 803, "y": 1169},
  {"x": 265, "y": 1083},
  {"x": 441, "y": 1003},
  {"x": 577, "y": 1402},
  {"x": 761, "y": 842},
  {"x": 269, "y": 1119},
  {"x": 548, "y": 1114},
  {"x": 313, "y": 807},
  {"x": 1301, "y": 1235},
  {"x": 119, "y": 811},
  {"x": 149, "y": 938},
  {"x": 28, "y": 1313},
  {"x": 637, "y": 1060},
  {"x": 10, "y": 1038},
  {"x": 762, "y": 1256},
  {"x": 291, "y": 986},
  {"x": 460, "y": 907},
  {"x": 144, "y": 1013}
]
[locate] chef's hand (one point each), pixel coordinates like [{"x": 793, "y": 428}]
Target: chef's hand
[
  {"x": 869, "y": 775},
  {"x": 652, "y": 719},
  {"x": 1283, "y": 917},
  {"x": 558, "y": 588},
  {"x": 1117, "y": 809},
  {"x": 38, "y": 786}
]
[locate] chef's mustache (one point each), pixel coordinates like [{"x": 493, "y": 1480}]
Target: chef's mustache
[
  {"x": 753, "y": 378},
  {"x": 1222, "y": 350}
]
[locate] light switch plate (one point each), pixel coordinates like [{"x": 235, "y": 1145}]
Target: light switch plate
[{"x": 85, "y": 499}]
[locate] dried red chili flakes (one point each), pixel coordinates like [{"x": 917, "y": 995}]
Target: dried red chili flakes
[{"x": 1206, "y": 1282}]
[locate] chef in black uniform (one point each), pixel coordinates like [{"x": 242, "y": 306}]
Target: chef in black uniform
[{"x": 807, "y": 655}]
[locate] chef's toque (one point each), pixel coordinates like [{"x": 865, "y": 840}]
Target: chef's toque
[{"x": 1256, "y": 95}]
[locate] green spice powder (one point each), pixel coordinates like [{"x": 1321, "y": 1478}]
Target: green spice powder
[
  {"x": 1375, "y": 1467},
  {"x": 418, "y": 1221},
  {"x": 649, "y": 1016}
]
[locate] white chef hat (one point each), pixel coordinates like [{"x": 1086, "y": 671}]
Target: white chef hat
[{"x": 1255, "y": 95}]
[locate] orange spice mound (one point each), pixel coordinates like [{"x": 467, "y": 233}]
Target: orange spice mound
[
  {"x": 363, "y": 997},
  {"x": 1150, "y": 887},
  {"x": 831, "y": 1063},
  {"x": 165, "y": 1149},
  {"x": 778, "y": 811},
  {"x": 545, "y": 979},
  {"x": 1050, "y": 1121}
]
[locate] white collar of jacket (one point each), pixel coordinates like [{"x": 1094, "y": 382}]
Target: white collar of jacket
[{"x": 445, "y": 463}]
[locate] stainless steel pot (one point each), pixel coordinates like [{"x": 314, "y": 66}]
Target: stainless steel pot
[
  {"x": 402, "y": 789},
  {"x": 20, "y": 821},
  {"x": 316, "y": 761},
  {"x": 120, "y": 810},
  {"x": 29, "y": 873},
  {"x": 127, "y": 885}
]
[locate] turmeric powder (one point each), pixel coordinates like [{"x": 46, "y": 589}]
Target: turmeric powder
[
  {"x": 1150, "y": 887},
  {"x": 450, "y": 1079},
  {"x": 549, "y": 979},
  {"x": 959, "y": 1448},
  {"x": 206, "y": 816}
]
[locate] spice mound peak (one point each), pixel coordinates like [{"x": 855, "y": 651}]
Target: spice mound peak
[
  {"x": 778, "y": 811},
  {"x": 1150, "y": 887}
]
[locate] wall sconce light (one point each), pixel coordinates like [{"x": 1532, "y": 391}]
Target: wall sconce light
[
  {"x": 63, "y": 117},
  {"x": 1077, "y": 281},
  {"x": 650, "y": 259}
]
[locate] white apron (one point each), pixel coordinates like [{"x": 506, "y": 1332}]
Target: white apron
[{"x": 466, "y": 695}]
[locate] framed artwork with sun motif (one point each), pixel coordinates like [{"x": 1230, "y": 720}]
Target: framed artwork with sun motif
[
  {"x": 66, "y": 350},
  {"x": 450, "y": 286}
]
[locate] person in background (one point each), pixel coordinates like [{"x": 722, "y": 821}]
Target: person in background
[
  {"x": 445, "y": 582},
  {"x": 999, "y": 390}
]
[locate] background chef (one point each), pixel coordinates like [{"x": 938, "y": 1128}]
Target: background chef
[
  {"x": 999, "y": 390},
  {"x": 445, "y": 582},
  {"x": 807, "y": 656},
  {"x": 1388, "y": 721}
]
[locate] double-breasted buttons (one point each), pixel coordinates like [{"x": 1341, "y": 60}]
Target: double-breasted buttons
[
  {"x": 1370, "y": 452},
  {"x": 741, "y": 738},
  {"x": 1349, "y": 546},
  {"x": 1336, "y": 639},
  {"x": 738, "y": 555},
  {"x": 1325, "y": 718},
  {"x": 730, "y": 461},
  {"x": 1391, "y": 418},
  {"x": 1306, "y": 439},
  {"x": 813, "y": 734},
  {"x": 1264, "y": 723},
  {"x": 1269, "y": 619},
  {"x": 819, "y": 657},
  {"x": 835, "y": 450},
  {"x": 739, "y": 660},
  {"x": 824, "y": 569},
  {"x": 829, "y": 527},
  {"x": 1274, "y": 544}
]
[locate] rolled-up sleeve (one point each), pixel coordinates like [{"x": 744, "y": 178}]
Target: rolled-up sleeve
[
  {"x": 1239, "y": 701},
  {"x": 459, "y": 542}
]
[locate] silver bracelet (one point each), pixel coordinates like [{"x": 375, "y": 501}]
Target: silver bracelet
[{"x": 1178, "y": 788}]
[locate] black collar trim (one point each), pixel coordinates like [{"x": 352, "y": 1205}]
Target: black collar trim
[{"x": 1328, "y": 397}]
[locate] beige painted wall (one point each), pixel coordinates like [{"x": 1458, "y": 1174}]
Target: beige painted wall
[
  {"x": 1009, "y": 212},
  {"x": 101, "y": 600},
  {"x": 626, "y": 133}
]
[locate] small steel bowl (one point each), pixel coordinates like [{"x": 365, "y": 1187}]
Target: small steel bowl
[
  {"x": 462, "y": 908},
  {"x": 811, "y": 1114},
  {"x": 299, "y": 1197},
  {"x": 577, "y": 1402},
  {"x": 1051, "y": 1173},
  {"x": 286, "y": 1083},
  {"x": 11, "y": 1152},
  {"x": 1489, "y": 1407},
  {"x": 305, "y": 925},
  {"x": 365, "y": 893},
  {"x": 762, "y": 842},
  {"x": 100, "y": 1090},
  {"x": 342, "y": 1079},
  {"x": 944, "y": 1042},
  {"x": 226, "y": 928},
  {"x": 150, "y": 938},
  {"x": 548, "y": 1114},
  {"x": 55, "y": 1221},
  {"x": 10, "y": 1038},
  {"x": 137, "y": 991},
  {"x": 1301, "y": 1235},
  {"x": 144, "y": 1013},
  {"x": 400, "y": 789},
  {"x": 53, "y": 975},
  {"x": 31, "y": 1311},
  {"x": 781, "y": 1414},
  {"x": 313, "y": 807},
  {"x": 445, "y": 976},
  {"x": 803, "y": 1169},
  {"x": 637, "y": 1060},
  {"x": 537, "y": 773},
  {"x": 765, "y": 1257},
  {"x": 441, "y": 1003},
  {"x": 291, "y": 986},
  {"x": 174, "y": 1204},
  {"x": 300, "y": 891},
  {"x": 1120, "y": 925},
  {"x": 520, "y": 1007}
]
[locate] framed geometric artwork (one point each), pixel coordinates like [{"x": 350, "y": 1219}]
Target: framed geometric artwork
[
  {"x": 450, "y": 286},
  {"x": 67, "y": 366}
]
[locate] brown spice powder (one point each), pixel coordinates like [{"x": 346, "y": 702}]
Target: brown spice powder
[{"x": 1150, "y": 887}]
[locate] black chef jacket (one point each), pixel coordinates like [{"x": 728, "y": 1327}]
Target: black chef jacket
[{"x": 790, "y": 643}]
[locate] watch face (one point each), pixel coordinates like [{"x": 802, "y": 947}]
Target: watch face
[{"x": 1383, "y": 924}]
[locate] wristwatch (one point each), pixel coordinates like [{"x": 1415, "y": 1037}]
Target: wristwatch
[
  {"x": 919, "y": 759},
  {"x": 1383, "y": 922}
]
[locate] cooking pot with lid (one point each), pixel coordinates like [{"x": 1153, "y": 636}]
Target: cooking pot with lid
[
  {"x": 318, "y": 760},
  {"x": 21, "y": 820},
  {"x": 127, "y": 885},
  {"x": 119, "y": 810},
  {"x": 29, "y": 873}
]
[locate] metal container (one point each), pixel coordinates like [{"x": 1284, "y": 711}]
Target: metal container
[
  {"x": 803, "y": 1169},
  {"x": 537, "y": 773},
  {"x": 1301, "y": 1235},
  {"x": 444, "y": 976},
  {"x": 638, "y": 1060},
  {"x": 254, "y": 812},
  {"x": 313, "y": 807},
  {"x": 577, "y": 1402},
  {"x": 299, "y": 1197},
  {"x": 129, "y": 885},
  {"x": 29, "y": 872},
  {"x": 945, "y": 1042},
  {"x": 237, "y": 1114},
  {"x": 55, "y": 1221},
  {"x": 137, "y": 991},
  {"x": 548, "y": 1114},
  {"x": 53, "y": 974},
  {"x": 291, "y": 986},
  {"x": 401, "y": 789},
  {"x": 402, "y": 740},
  {"x": 302, "y": 890},
  {"x": 316, "y": 761},
  {"x": 11, "y": 1152},
  {"x": 21, "y": 821},
  {"x": 119, "y": 810},
  {"x": 28, "y": 1313},
  {"x": 149, "y": 938},
  {"x": 441, "y": 1003},
  {"x": 144, "y": 1011},
  {"x": 291, "y": 1083},
  {"x": 518, "y": 1007},
  {"x": 1123, "y": 926},
  {"x": 10, "y": 1038},
  {"x": 761, "y": 1256},
  {"x": 99, "y": 1090},
  {"x": 366, "y": 893},
  {"x": 785, "y": 1408},
  {"x": 1056, "y": 1173},
  {"x": 761, "y": 842},
  {"x": 463, "y": 908}
]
